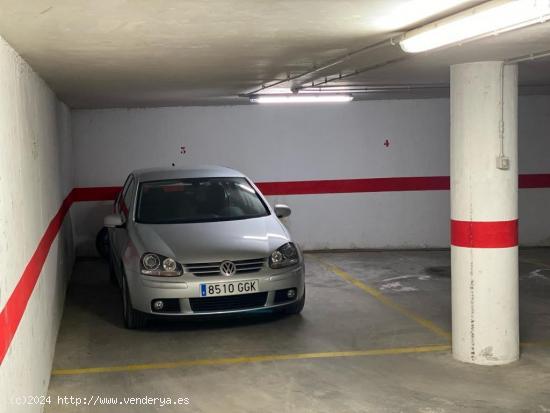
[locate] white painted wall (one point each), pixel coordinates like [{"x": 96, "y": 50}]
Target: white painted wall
[
  {"x": 309, "y": 142},
  {"x": 35, "y": 176},
  {"x": 534, "y": 157}
]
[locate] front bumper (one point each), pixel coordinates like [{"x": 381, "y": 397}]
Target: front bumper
[{"x": 145, "y": 289}]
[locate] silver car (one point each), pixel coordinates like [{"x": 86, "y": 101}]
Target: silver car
[{"x": 201, "y": 241}]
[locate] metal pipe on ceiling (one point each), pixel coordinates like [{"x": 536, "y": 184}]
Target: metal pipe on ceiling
[
  {"x": 354, "y": 89},
  {"x": 375, "y": 88},
  {"x": 354, "y": 73},
  {"x": 387, "y": 42},
  {"x": 528, "y": 57},
  {"x": 340, "y": 60}
]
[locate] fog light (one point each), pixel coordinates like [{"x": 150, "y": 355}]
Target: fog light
[
  {"x": 158, "y": 305},
  {"x": 291, "y": 293}
]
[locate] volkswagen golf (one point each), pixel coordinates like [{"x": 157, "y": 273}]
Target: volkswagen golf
[{"x": 201, "y": 241}]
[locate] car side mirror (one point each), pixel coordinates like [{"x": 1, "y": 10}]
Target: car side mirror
[
  {"x": 113, "y": 221},
  {"x": 282, "y": 211}
]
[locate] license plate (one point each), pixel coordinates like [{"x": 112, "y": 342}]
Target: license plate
[{"x": 230, "y": 288}]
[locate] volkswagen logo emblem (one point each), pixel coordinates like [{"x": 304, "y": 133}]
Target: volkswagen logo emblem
[{"x": 228, "y": 268}]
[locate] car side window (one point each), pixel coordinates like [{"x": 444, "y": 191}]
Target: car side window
[
  {"x": 120, "y": 203},
  {"x": 127, "y": 198}
]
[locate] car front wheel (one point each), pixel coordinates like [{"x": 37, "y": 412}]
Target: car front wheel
[
  {"x": 132, "y": 319},
  {"x": 112, "y": 273}
]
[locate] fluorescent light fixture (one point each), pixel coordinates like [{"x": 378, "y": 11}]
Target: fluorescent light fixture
[
  {"x": 299, "y": 98},
  {"x": 490, "y": 18}
]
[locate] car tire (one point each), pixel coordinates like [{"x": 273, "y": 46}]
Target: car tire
[
  {"x": 102, "y": 243},
  {"x": 112, "y": 273},
  {"x": 298, "y": 306},
  {"x": 133, "y": 319}
]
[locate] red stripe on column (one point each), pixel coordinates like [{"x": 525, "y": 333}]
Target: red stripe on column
[
  {"x": 13, "y": 311},
  {"x": 476, "y": 234}
]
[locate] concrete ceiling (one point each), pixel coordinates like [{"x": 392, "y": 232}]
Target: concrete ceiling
[{"x": 128, "y": 53}]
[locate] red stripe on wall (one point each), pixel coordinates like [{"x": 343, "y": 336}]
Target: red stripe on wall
[
  {"x": 334, "y": 186},
  {"x": 472, "y": 235},
  {"x": 476, "y": 234},
  {"x": 534, "y": 181},
  {"x": 101, "y": 193},
  {"x": 17, "y": 303}
]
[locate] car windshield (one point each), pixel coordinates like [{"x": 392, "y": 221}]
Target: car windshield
[{"x": 198, "y": 200}]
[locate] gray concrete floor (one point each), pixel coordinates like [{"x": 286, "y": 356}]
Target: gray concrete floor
[{"x": 339, "y": 317}]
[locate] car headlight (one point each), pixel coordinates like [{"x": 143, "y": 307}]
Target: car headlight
[
  {"x": 156, "y": 264},
  {"x": 284, "y": 256}
]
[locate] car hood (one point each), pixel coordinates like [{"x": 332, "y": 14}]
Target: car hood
[{"x": 214, "y": 241}]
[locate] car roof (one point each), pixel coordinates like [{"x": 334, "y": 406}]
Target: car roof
[{"x": 201, "y": 171}]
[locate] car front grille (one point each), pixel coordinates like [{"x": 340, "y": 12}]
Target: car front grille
[
  {"x": 213, "y": 268},
  {"x": 227, "y": 303}
]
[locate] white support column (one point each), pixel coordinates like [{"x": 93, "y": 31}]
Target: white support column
[{"x": 484, "y": 211}]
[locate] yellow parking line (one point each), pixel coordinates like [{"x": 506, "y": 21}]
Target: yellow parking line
[
  {"x": 373, "y": 292},
  {"x": 544, "y": 343},
  {"x": 252, "y": 359},
  {"x": 274, "y": 357}
]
